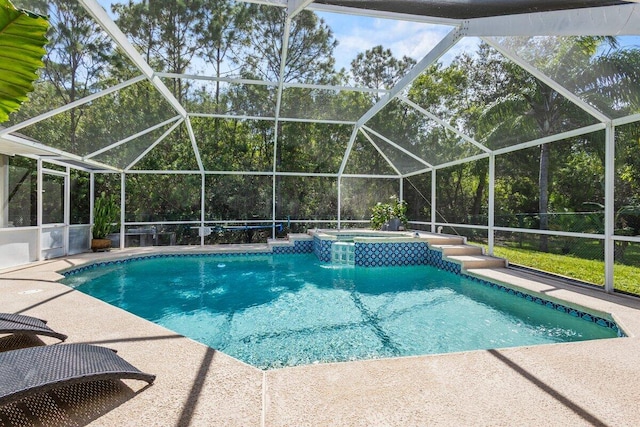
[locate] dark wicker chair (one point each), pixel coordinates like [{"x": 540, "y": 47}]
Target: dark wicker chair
[
  {"x": 40, "y": 369},
  {"x": 20, "y": 324}
]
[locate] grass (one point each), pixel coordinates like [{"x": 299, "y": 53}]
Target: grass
[{"x": 626, "y": 277}]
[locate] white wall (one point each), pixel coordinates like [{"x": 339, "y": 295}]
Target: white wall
[{"x": 18, "y": 246}]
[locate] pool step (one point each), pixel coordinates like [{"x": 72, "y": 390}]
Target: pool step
[
  {"x": 469, "y": 256},
  {"x": 478, "y": 261},
  {"x": 442, "y": 240},
  {"x": 451, "y": 250},
  {"x": 289, "y": 241}
]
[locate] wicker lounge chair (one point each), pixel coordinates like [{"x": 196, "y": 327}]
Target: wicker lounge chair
[
  {"x": 34, "y": 370},
  {"x": 19, "y": 324}
]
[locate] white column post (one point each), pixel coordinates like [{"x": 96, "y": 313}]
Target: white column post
[
  {"x": 40, "y": 189},
  {"x": 67, "y": 210},
  {"x": 492, "y": 200},
  {"x": 92, "y": 196},
  {"x": 609, "y": 207},
  {"x": 122, "y": 208},
  {"x": 4, "y": 191},
  {"x": 433, "y": 201},
  {"x": 202, "y": 206},
  {"x": 339, "y": 202}
]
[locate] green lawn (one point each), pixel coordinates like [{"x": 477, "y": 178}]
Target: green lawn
[{"x": 626, "y": 277}]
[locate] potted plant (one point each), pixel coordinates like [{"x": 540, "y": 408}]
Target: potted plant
[
  {"x": 389, "y": 216},
  {"x": 398, "y": 214},
  {"x": 105, "y": 221}
]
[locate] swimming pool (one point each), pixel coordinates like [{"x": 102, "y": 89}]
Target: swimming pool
[{"x": 273, "y": 311}]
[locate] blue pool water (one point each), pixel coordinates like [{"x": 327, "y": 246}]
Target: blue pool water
[{"x": 284, "y": 310}]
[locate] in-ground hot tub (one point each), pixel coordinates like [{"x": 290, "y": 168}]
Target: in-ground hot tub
[{"x": 370, "y": 248}]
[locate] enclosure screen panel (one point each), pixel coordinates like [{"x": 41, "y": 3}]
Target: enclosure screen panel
[
  {"x": 360, "y": 195},
  {"x": 234, "y": 145},
  {"x": 364, "y": 158},
  {"x": 325, "y": 104},
  {"x": 158, "y": 198},
  {"x": 420, "y": 135},
  {"x": 306, "y": 198},
  {"x": 225, "y": 98},
  {"x": 311, "y": 147},
  {"x": 107, "y": 120},
  {"x": 601, "y": 71},
  {"x": 238, "y": 197}
]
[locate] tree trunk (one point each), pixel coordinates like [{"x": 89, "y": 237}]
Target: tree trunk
[{"x": 543, "y": 180}]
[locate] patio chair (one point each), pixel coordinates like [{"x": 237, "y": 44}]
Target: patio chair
[
  {"x": 35, "y": 370},
  {"x": 20, "y": 324}
]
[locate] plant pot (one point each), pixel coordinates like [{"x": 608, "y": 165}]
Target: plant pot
[
  {"x": 100, "y": 245},
  {"x": 394, "y": 224}
]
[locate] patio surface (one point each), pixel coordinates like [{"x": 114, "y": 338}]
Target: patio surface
[{"x": 573, "y": 384}]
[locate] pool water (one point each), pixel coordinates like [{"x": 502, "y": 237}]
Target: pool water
[{"x": 273, "y": 311}]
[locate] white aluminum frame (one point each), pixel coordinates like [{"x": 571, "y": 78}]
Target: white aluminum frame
[{"x": 601, "y": 21}]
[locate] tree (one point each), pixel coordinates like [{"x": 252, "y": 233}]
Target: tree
[
  {"x": 377, "y": 68},
  {"x": 224, "y": 34},
  {"x": 75, "y": 60},
  {"x": 534, "y": 110},
  {"x": 169, "y": 33},
  {"x": 309, "y": 56}
]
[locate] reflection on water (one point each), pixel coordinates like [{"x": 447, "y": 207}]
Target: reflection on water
[{"x": 284, "y": 310}]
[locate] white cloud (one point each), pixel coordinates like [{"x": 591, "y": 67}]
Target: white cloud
[{"x": 358, "y": 34}]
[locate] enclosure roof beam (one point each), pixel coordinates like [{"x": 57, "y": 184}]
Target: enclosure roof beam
[
  {"x": 107, "y": 24},
  {"x": 511, "y": 55},
  {"x": 398, "y": 147},
  {"x": 355, "y": 175},
  {"x": 194, "y": 144},
  {"x": 443, "y": 123},
  {"x": 335, "y": 87},
  {"x": 154, "y": 144},
  {"x": 283, "y": 61},
  {"x": 35, "y": 146},
  {"x": 379, "y": 150},
  {"x": 249, "y": 173},
  {"x": 71, "y": 105},
  {"x": 552, "y": 138},
  {"x": 265, "y": 118},
  {"x": 55, "y": 153},
  {"x": 593, "y": 21},
  {"x": 280, "y": 3},
  {"x": 385, "y": 14},
  {"x": 216, "y": 79},
  {"x": 296, "y": 6},
  {"x": 347, "y": 152},
  {"x": 449, "y": 164},
  {"x": 132, "y": 137},
  {"x": 440, "y": 49},
  {"x": 626, "y": 120},
  {"x": 361, "y": 12},
  {"x": 269, "y": 83}
]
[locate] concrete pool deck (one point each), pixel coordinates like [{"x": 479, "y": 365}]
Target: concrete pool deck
[{"x": 584, "y": 383}]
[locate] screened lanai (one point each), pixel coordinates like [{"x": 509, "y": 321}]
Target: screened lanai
[{"x": 515, "y": 125}]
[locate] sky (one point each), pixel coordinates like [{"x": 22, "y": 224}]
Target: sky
[{"x": 356, "y": 34}]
